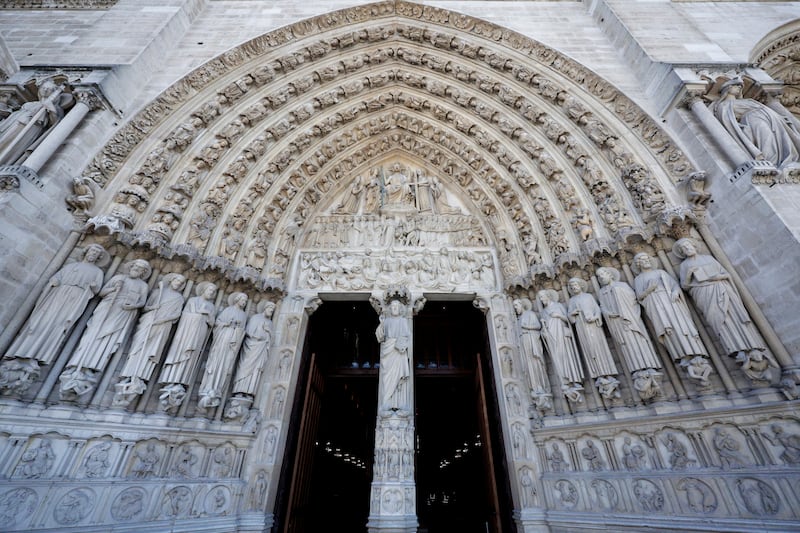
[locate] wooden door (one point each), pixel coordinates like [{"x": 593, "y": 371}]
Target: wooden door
[
  {"x": 492, "y": 497},
  {"x": 300, "y": 486}
]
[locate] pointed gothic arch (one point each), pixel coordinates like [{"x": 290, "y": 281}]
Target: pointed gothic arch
[{"x": 248, "y": 141}]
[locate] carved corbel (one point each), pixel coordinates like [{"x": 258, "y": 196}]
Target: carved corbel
[
  {"x": 312, "y": 304},
  {"x": 481, "y": 304}
]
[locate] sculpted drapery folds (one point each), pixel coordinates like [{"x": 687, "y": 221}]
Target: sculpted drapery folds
[
  {"x": 187, "y": 345},
  {"x": 585, "y": 314},
  {"x": 59, "y": 307},
  {"x": 162, "y": 310},
  {"x": 394, "y": 334},
  {"x": 663, "y": 301},
  {"x": 229, "y": 330},
  {"x": 560, "y": 342},
  {"x": 255, "y": 350},
  {"x": 722, "y": 309},
  {"x": 760, "y": 130},
  {"x": 623, "y": 317},
  {"x": 22, "y": 130},
  {"x": 107, "y": 329},
  {"x": 530, "y": 344}
]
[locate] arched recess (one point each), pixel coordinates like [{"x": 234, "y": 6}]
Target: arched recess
[
  {"x": 778, "y": 53},
  {"x": 227, "y": 167}
]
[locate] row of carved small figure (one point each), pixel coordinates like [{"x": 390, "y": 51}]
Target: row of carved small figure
[
  {"x": 714, "y": 295},
  {"x": 726, "y": 442},
  {"x": 20, "y": 506},
  {"x": 759, "y": 497},
  {"x": 148, "y": 460},
  {"x": 67, "y": 296}
]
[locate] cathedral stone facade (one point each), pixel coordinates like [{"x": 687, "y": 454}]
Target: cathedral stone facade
[{"x": 567, "y": 230}]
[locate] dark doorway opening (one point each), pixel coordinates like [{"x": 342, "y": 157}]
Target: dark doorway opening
[
  {"x": 461, "y": 476},
  {"x": 462, "y": 483},
  {"x": 325, "y": 481}
]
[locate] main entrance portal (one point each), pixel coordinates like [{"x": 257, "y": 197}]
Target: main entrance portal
[{"x": 460, "y": 478}]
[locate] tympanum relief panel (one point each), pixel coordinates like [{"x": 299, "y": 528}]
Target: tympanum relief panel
[{"x": 396, "y": 224}]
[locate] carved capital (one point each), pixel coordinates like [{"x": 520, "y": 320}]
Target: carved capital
[{"x": 89, "y": 96}]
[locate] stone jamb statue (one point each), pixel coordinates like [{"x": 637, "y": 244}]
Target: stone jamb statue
[
  {"x": 665, "y": 306},
  {"x": 721, "y": 307},
  {"x": 56, "y": 312},
  {"x": 560, "y": 342},
  {"x": 530, "y": 343},
  {"x": 187, "y": 345},
  {"x": 255, "y": 353},
  {"x": 585, "y": 313},
  {"x": 162, "y": 310},
  {"x": 226, "y": 340},
  {"x": 623, "y": 318},
  {"x": 107, "y": 329}
]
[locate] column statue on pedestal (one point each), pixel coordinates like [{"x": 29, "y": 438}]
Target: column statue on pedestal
[
  {"x": 663, "y": 301},
  {"x": 394, "y": 334},
  {"x": 59, "y": 307},
  {"x": 187, "y": 345},
  {"x": 722, "y": 309},
  {"x": 585, "y": 314},
  {"x": 623, "y": 317},
  {"x": 560, "y": 342},
  {"x": 161, "y": 311},
  {"x": 107, "y": 329}
]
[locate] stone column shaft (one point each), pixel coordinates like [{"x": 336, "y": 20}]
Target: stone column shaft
[{"x": 56, "y": 137}]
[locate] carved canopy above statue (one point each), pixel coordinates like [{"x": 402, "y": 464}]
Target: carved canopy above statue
[{"x": 236, "y": 165}]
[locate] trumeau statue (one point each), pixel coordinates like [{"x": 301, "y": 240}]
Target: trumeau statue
[
  {"x": 187, "y": 345},
  {"x": 560, "y": 342},
  {"x": 623, "y": 317},
  {"x": 721, "y": 307},
  {"x": 161, "y": 311},
  {"x": 585, "y": 314},
  {"x": 59, "y": 307},
  {"x": 394, "y": 334},
  {"x": 531, "y": 347},
  {"x": 108, "y": 328},
  {"x": 663, "y": 301},
  {"x": 229, "y": 330},
  {"x": 255, "y": 351},
  {"x": 760, "y": 130},
  {"x": 23, "y": 129}
]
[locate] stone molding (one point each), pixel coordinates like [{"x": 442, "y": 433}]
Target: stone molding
[{"x": 58, "y": 4}]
